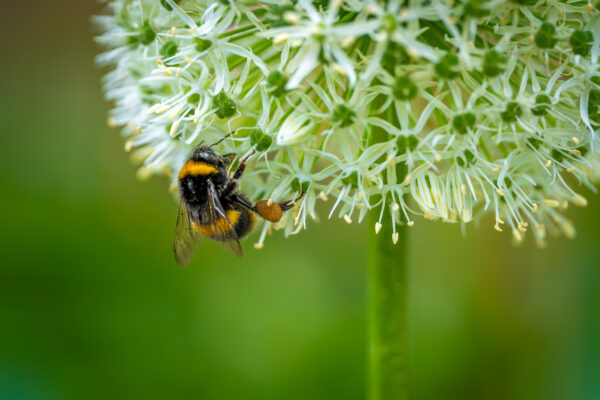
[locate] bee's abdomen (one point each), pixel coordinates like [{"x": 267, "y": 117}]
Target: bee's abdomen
[
  {"x": 242, "y": 220},
  {"x": 245, "y": 222}
]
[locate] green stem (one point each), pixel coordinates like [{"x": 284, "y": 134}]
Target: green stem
[{"x": 388, "y": 350}]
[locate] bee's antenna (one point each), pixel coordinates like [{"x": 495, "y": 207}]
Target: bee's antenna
[{"x": 223, "y": 138}]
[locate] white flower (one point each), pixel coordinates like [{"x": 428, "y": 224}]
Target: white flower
[
  {"x": 455, "y": 111},
  {"x": 294, "y": 129},
  {"x": 319, "y": 35}
]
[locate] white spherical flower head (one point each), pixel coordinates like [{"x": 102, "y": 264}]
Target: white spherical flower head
[{"x": 453, "y": 111}]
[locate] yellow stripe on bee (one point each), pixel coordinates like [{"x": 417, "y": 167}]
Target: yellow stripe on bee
[
  {"x": 196, "y": 168},
  {"x": 220, "y": 228}
]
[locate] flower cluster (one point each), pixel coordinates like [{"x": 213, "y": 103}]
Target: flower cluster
[{"x": 452, "y": 110}]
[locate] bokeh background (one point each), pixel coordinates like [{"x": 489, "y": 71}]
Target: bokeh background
[{"x": 92, "y": 305}]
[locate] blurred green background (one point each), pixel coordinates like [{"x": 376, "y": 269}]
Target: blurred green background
[{"x": 92, "y": 305}]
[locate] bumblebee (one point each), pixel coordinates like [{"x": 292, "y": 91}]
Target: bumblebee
[{"x": 211, "y": 206}]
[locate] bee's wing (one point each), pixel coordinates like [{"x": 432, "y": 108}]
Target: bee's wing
[
  {"x": 233, "y": 246},
  {"x": 230, "y": 242},
  {"x": 186, "y": 238}
]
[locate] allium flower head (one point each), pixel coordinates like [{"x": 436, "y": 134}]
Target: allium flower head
[{"x": 451, "y": 110}]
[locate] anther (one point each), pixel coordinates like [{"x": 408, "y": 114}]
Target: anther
[
  {"x": 390, "y": 160},
  {"x": 161, "y": 109},
  {"x": 499, "y": 221},
  {"x": 406, "y": 181},
  {"x": 278, "y": 39},
  {"x": 139, "y": 130},
  {"x": 413, "y": 54},
  {"x": 258, "y": 246},
  {"x": 395, "y": 237},
  {"x": 580, "y": 200},
  {"x": 347, "y": 218},
  {"x": 175, "y": 111},
  {"x": 173, "y": 30},
  {"x": 193, "y": 29},
  {"x": 466, "y": 215},
  {"x": 496, "y": 227},
  {"x": 500, "y": 192},
  {"x": 410, "y": 223},
  {"x": 178, "y": 73},
  {"x": 517, "y": 235},
  {"x": 575, "y": 140},
  {"x": 568, "y": 229},
  {"x": 548, "y": 163},
  {"x": 338, "y": 68},
  {"x": 269, "y": 202},
  {"x": 111, "y": 122},
  {"x": 371, "y": 9},
  {"x": 174, "y": 128},
  {"x": 347, "y": 41},
  {"x": 395, "y": 207},
  {"x": 551, "y": 203},
  {"x": 323, "y": 196},
  {"x": 291, "y": 18},
  {"x": 571, "y": 170},
  {"x": 377, "y": 227},
  {"x": 154, "y": 108},
  {"x": 535, "y": 208},
  {"x": 463, "y": 190}
]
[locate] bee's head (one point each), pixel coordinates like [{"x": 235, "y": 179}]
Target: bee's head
[
  {"x": 203, "y": 153},
  {"x": 207, "y": 155}
]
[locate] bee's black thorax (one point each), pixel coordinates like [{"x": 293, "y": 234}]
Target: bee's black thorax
[
  {"x": 194, "y": 190},
  {"x": 203, "y": 166}
]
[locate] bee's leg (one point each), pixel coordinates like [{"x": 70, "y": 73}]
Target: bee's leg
[
  {"x": 243, "y": 202},
  {"x": 229, "y": 157},
  {"x": 230, "y": 184},
  {"x": 286, "y": 205},
  {"x": 240, "y": 169}
]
